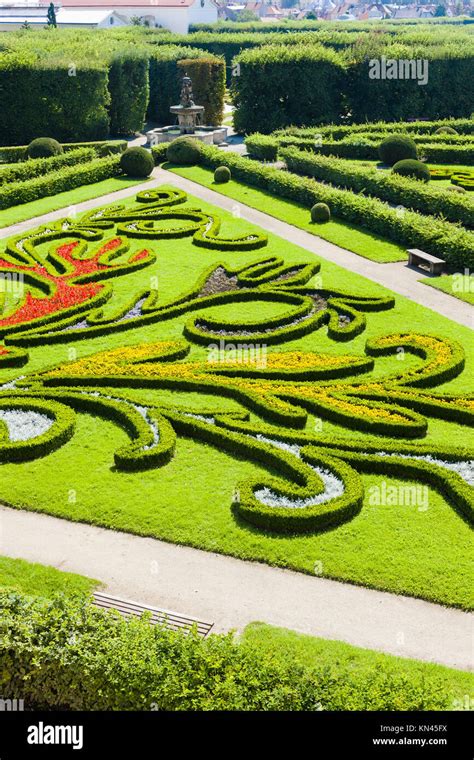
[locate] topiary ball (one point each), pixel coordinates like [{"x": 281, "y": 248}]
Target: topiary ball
[
  {"x": 410, "y": 168},
  {"x": 320, "y": 213},
  {"x": 222, "y": 174},
  {"x": 184, "y": 150},
  {"x": 137, "y": 162},
  {"x": 445, "y": 131},
  {"x": 44, "y": 147},
  {"x": 395, "y": 148}
]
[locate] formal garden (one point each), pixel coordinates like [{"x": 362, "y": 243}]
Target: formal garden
[{"x": 174, "y": 368}]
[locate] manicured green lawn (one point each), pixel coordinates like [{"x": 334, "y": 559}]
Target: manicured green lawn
[
  {"x": 340, "y": 233},
  {"x": 395, "y": 548},
  {"x": 459, "y": 285},
  {"x": 39, "y": 580},
  {"x": 17, "y": 214},
  {"x": 361, "y": 679}
]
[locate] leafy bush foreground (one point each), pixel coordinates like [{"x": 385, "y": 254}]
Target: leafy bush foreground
[{"x": 64, "y": 653}]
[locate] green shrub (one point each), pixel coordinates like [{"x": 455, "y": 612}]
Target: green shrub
[
  {"x": 43, "y": 147},
  {"x": 184, "y": 150},
  {"x": 457, "y": 189},
  {"x": 446, "y": 93},
  {"x": 445, "y": 131},
  {"x": 408, "y": 167},
  {"x": 132, "y": 665},
  {"x": 396, "y": 148},
  {"x": 137, "y": 162},
  {"x": 222, "y": 174},
  {"x": 279, "y": 85},
  {"x": 364, "y": 146},
  {"x": 13, "y": 154},
  {"x": 320, "y": 213}
]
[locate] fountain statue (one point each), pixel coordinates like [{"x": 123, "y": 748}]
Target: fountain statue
[
  {"x": 188, "y": 112},
  {"x": 189, "y": 117}
]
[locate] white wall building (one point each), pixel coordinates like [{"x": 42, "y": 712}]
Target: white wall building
[{"x": 175, "y": 15}]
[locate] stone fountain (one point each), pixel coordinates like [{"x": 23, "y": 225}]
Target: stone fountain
[{"x": 189, "y": 117}]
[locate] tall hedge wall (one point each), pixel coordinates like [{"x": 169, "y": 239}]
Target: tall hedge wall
[
  {"x": 129, "y": 91},
  {"x": 449, "y": 91},
  {"x": 84, "y": 85},
  {"x": 51, "y": 99},
  {"x": 275, "y": 86}
]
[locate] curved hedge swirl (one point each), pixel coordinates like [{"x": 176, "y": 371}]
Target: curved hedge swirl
[
  {"x": 316, "y": 488},
  {"x": 69, "y": 266}
]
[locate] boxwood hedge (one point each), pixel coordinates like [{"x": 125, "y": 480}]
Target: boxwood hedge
[
  {"x": 401, "y": 191},
  {"x": 442, "y": 238},
  {"x": 59, "y": 181}
]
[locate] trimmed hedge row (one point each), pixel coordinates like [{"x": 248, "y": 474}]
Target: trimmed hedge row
[
  {"x": 40, "y": 166},
  {"x": 370, "y": 460},
  {"x": 59, "y": 181},
  {"x": 305, "y": 483},
  {"x": 447, "y": 92},
  {"x": 368, "y": 149},
  {"x": 102, "y": 148},
  {"x": 107, "y": 89},
  {"x": 339, "y": 132},
  {"x": 396, "y": 189},
  {"x": 429, "y": 233}
]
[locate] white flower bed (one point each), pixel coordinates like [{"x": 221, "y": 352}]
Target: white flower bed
[
  {"x": 22, "y": 425},
  {"x": 464, "y": 469},
  {"x": 333, "y": 487}
]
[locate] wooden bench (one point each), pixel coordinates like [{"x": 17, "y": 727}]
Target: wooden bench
[
  {"x": 158, "y": 616},
  {"x": 418, "y": 258}
]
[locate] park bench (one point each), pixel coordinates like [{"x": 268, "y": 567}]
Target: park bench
[
  {"x": 419, "y": 258},
  {"x": 169, "y": 619}
]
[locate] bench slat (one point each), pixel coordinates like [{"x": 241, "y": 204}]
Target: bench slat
[{"x": 172, "y": 620}]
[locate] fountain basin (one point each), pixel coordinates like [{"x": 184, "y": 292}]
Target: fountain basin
[{"x": 207, "y": 135}]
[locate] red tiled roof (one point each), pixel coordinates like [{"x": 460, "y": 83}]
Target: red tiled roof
[{"x": 114, "y": 4}]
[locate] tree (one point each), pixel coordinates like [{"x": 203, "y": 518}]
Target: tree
[
  {"x": 440, "y": 10},
  {"x": 52, "y": 15},
  {"x": 246, "y": 15}
]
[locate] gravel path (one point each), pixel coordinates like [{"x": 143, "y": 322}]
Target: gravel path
[{"x": 231, "y": 592}]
